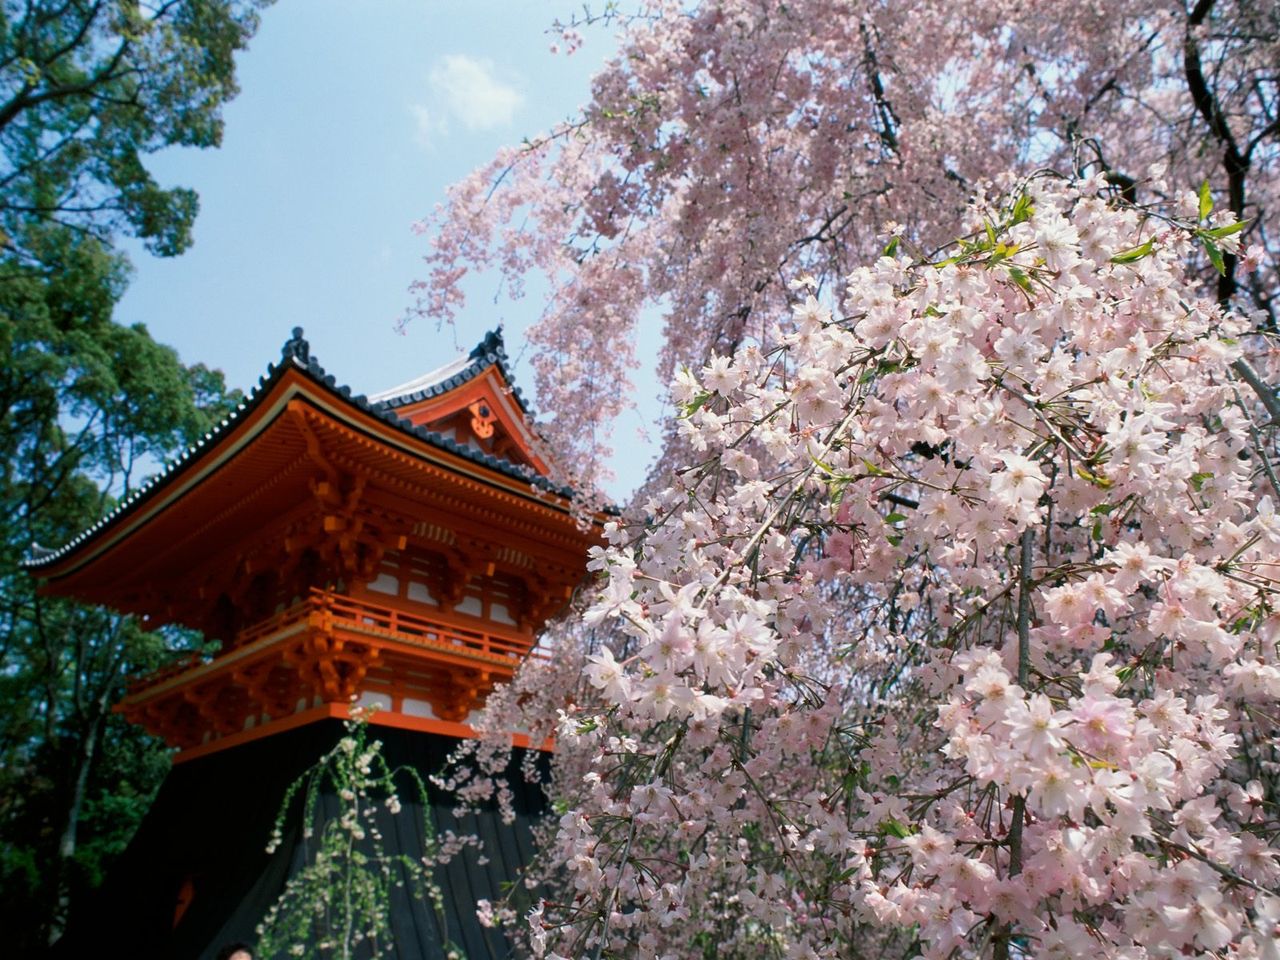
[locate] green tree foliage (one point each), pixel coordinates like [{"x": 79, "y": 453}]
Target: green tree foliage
[
  {"x": 87, "y": 405},
  {"x": 89, "y": 87}
]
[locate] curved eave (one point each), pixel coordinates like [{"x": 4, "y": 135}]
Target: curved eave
[
  {"x": 490, "y": 352},
  {"x": 294, "y": 376}
]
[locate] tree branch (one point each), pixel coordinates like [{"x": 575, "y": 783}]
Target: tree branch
[
  {"x": 1264, "y": 390},
  {"x": 1234, "y": 162}
]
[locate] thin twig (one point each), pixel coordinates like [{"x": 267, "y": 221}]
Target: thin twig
[{"x": 1266, "y": 393}]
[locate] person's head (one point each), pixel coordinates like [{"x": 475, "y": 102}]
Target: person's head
[{"x": 236, "y": 951}]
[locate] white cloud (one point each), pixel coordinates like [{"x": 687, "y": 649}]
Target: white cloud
[
  {"x": 466, "y": 90},
  {"x": 426, "y": 124}
]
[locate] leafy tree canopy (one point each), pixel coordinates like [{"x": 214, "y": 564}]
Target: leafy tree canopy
[
  {"x": 87, "y": 404},
  {"x": 89, "y": 89}
]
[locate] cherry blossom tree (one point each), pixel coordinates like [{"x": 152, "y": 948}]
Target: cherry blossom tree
[
  {"x": 950, "y": 630},
  {"x": 959, "y": 640},
  {"x": 732, "y": 145}
]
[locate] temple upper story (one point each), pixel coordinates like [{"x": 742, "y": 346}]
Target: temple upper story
[{"x": 400, "y": 551}]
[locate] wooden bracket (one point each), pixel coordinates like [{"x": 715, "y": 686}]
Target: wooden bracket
[
  {"x": 298, "y": 412},
  {"x": 334, "y": 669}
]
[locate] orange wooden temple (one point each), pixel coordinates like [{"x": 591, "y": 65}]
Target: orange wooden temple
[{"x": 400, "y": 551}]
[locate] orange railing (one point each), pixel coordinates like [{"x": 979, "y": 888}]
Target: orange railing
[
  {"x": 278, "y": 621},
  {"x": 365, "y": 616},
  {"x": 331, "y": 610}
]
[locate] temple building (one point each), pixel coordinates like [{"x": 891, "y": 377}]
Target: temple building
[{"x": 400, "y": 551}]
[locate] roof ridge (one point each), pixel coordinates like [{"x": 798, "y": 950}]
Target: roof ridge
[
  {"x": 491, "y": 350},
  {"x": 491, "y": 344}
]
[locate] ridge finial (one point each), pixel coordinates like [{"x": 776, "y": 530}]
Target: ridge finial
[{"x": 296, "y": 347}]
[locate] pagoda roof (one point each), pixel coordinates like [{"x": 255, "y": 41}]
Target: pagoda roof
[
  {"x": 489, "y": 352},
  {"x": 296, "y": 357}
]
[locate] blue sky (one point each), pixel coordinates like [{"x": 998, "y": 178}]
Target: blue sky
[{"x": 354, "y": 117}]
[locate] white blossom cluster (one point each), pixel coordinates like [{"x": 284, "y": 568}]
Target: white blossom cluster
[{"x": 960, "y": 640}]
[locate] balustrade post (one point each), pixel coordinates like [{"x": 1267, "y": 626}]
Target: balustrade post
[{"x": 321, "y": 616}]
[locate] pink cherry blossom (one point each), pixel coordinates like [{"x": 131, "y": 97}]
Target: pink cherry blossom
[{"x": 948, "y": 626}]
